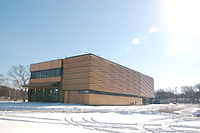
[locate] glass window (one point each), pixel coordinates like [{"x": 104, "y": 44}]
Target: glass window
[
  {"x": 84, "y": 91},
  {"x": 46, "y": 73}
]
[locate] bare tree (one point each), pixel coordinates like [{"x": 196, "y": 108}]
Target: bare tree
[
  {"x": 4, "y": 80},
  {"x": 189, "y": 93},
  {"x": 1, "y": 79},
  {"x": 197, "y": 87},
  {"x": 20, "y": 75}
]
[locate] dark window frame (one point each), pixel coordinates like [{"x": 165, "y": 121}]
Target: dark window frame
[
  {"x": 89, "y": 91},
  {"x": 55, "y": 72}
]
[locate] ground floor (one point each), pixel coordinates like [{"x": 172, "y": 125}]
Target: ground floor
[
  {"x": 92, "y": 97},
  {"x": 87, "y": 97},
  {"x": 43, "y": 95}
]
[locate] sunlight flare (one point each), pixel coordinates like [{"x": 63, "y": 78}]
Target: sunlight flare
[{"x": 182, "y": 17}]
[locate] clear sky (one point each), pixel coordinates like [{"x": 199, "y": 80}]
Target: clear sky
[{"x": 159, "y": 38}]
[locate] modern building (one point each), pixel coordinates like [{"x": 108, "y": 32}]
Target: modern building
[{"x": 88, "y": 79}]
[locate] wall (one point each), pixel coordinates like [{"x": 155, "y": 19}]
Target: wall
[
  {"x": 46, "y": 65},
  {"x": 112, "y": 77},
  {"x": 75, "y": 98},
  {"x": 147, "y": 86},
  {"x": 95, "y": 73},
  {"x": 45, "y": 80},
  {"x": 76, "y": 73},
  {"x": 96, "y": 99}
]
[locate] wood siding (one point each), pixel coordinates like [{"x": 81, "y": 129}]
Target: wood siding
[
  {"x": 147, "y": 86},
  {"x": 76, "y": 73},
  {"x": 46, "y": 65},
  {"x": 45, "y": 80},
  {"x": 76, "y": 98},
  {"x": 96, "y": 99},
  {"x": 111, "y": 77}
]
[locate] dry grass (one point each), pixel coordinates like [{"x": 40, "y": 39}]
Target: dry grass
[{"x": 169, "y": 110}]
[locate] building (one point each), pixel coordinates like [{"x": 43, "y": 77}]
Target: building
[{"x": 88, "y": 79}]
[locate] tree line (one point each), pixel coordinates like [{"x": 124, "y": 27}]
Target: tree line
[
  {"x": 11, "y": 87},
  {"x": 7, "y": 93},
  {"x": 184, "y": 94}
]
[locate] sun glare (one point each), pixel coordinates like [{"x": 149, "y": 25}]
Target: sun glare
[{"x": 182, "y": 17}]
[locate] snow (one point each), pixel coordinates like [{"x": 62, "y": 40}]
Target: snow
[
  {"x": 20, "y": 117},
  {"x": 193, "y": 111},
  {"x": 196, "y": 111}
]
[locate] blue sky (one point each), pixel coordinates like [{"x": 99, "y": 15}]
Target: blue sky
[{"x": 158, "y": 38}]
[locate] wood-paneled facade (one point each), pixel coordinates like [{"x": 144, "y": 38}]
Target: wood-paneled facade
[{"x": 90, "y": 79}]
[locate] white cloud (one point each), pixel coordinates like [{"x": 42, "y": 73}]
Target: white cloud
[
  {"x": 153, "y": 29},
  {"x": 135, "y": 41}
]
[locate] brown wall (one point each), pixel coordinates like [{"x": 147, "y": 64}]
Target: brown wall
[
  {"x": 43, "y": 66},
  {"x": 147, "y": 86},
  {"x": 76, "y": 98},
  {"x": 96, "y": 73},
  {"x": 97, "y": 99},
  {"x": 112, "y": 77},
  {"x": 76, "y": 73},
  {"x": 46, "y": 65},
  {"x": 45, "y": 80}
]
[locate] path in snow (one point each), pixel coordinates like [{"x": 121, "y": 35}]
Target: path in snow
[
  {"x": 167, "y": 124},
  {"x": 108, "y": 119}
]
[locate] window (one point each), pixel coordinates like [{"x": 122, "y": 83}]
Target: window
[
  {"x": 84, "y": 91},
  {"x": 46, "y": 73},
  {"x": 87, "y": 91}
]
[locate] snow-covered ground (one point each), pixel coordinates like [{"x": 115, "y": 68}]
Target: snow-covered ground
[{"x": 22, "y": 117}]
